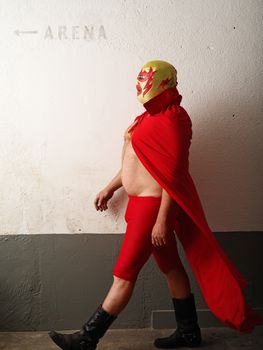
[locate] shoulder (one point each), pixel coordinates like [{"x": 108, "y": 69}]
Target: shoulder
[
  {"x": 177, "y": 112},
  {"x": 140, "y": 117},
  {"x": 131, "y": 127}
]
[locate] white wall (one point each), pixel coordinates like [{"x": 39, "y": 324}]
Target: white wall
[{"x": 66, "y": 100}]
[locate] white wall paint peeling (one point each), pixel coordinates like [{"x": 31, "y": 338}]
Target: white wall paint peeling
[{"x": 65, "y": 102}]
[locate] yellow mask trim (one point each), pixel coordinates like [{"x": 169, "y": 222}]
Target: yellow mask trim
[{"x": 155, "y": 77}]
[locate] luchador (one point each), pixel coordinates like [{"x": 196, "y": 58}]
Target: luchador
[{"x": 163, "y": 204}]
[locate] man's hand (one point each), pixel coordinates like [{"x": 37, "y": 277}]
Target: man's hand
[
  {"x": 164, "y": 221},
  {"x": 160, "y": 232},
  {"x": 102, "y": 198}
]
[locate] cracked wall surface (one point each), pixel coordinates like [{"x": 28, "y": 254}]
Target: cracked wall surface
[
  {"x": 57, "y": 281},
  {"x": 68, "y": 72},
  {"x": 67, "y": 84}
]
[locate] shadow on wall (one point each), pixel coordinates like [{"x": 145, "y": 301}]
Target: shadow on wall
[{"x": 223, "y": 160}]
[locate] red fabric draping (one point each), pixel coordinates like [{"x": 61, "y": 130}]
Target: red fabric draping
[{"x": 161, "y": 140}]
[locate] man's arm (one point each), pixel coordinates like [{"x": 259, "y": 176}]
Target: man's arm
[
  {"x": 115, "y": 183},
  {"x": 166, "y": 208},
  {"x": 163, "y": 222}
]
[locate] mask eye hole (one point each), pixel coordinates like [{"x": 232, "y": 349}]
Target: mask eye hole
[{"x": 142, "y": 77}]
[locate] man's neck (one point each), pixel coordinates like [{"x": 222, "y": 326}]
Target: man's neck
[{"x": 164, "y": 99}]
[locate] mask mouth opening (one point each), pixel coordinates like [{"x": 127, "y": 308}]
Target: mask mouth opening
[{"x": 139, "y": 89}]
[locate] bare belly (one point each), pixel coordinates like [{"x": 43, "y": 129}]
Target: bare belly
[{"x": 136, "y": 179}]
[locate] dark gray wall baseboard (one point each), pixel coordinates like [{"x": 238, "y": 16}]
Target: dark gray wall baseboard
[
  {"x": 56, "y": 281},
  {"x": 166, "y": 318}
]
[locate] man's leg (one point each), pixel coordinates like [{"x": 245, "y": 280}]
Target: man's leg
[
  {"x": 188, "y": 331},
  {"x": 169, "y": 262},
  {"x": 136, "y": 249},
  {"x": 178, "y": 282},
  {"x": 121, "y": 290},
  {"x": 118, "y": 295}
]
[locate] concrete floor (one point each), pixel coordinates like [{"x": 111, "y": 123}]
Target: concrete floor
[{"x": 138, "y": 339}]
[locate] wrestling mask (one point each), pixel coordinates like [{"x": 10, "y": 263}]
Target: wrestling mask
[{"x": 154, "y": 78}]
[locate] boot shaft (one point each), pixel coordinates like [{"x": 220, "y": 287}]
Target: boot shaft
[
  {"x": 98, "y": 323},
  {"x": 185, "y": 309}
]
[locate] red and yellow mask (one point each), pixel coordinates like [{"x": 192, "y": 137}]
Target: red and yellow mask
[{"x": 154, "y": 78}]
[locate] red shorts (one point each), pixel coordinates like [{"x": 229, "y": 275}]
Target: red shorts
[{"x": 140, "y": 215}]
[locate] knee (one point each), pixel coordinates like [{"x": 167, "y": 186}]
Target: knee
[
  {"x": 169, "y": 264},
  {"x": 170, "y": 273},
  {"x": 175, "y": 272},
  {"x": 121, "y": 282}
]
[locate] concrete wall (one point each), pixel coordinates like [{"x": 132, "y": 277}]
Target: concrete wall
[
  {"x": 57, "y": 281},
  {"x": 67, "y": 85},
  {"x": 68, "y": 93}
]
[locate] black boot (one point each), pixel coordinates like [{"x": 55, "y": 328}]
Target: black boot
[
  {"x": 88, "y": 337},
  {"x": 188, "y": 332}
]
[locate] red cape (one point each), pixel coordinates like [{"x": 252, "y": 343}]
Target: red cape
[{"x": 161, "y": 140}]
